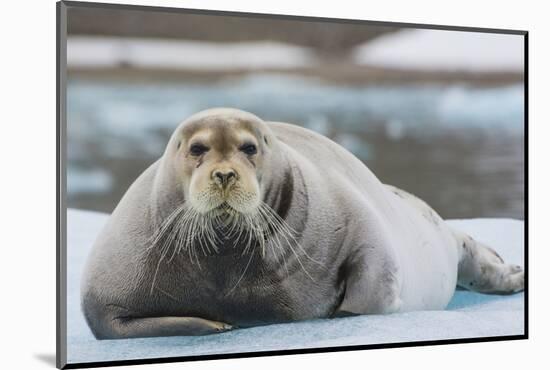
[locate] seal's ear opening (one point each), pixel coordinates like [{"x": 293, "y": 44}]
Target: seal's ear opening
[{"x": 265, "y": 140}]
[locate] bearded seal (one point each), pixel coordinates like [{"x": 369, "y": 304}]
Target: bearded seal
[{"x": 243, "y": 222}]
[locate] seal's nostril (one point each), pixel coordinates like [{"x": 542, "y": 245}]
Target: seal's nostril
[{"x": 223, "y": 177}]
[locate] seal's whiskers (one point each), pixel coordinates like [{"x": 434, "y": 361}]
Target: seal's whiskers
[{"x": 186, "y": 229}]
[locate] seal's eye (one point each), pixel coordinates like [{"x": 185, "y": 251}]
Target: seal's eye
[
  {"x": 248, "y": 149},
  {"x": 198, "y": 149}
]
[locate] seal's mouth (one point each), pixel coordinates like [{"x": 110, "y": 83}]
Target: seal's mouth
[
  {"x": 225, "y": 209},
  {"x": 210, "y": 202}
]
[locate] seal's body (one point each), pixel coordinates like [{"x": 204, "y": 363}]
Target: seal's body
[{"x": 243, "y": 222}]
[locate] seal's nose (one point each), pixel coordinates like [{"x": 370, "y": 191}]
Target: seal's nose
[{"x": 224, "y": 177}]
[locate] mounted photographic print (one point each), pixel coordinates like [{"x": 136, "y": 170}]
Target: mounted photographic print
[{"x": 235, "y": 184}]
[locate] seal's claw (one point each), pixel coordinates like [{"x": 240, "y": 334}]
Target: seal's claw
[{"x": 220, "y": 327}]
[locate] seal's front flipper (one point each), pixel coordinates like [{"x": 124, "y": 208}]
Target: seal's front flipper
[
  {"x": 128, "y": 327},
  {"x": 369, "y": 288}
]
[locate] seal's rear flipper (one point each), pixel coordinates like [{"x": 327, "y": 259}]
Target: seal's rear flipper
[{"x": 482, "y": 270}]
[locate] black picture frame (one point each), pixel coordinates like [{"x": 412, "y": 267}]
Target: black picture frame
[{"x": 61, "y": 186}]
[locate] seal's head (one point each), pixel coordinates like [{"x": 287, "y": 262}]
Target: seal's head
[
  {"x": 213, "y": 176},
  {"x": 220, "y": 155}
]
